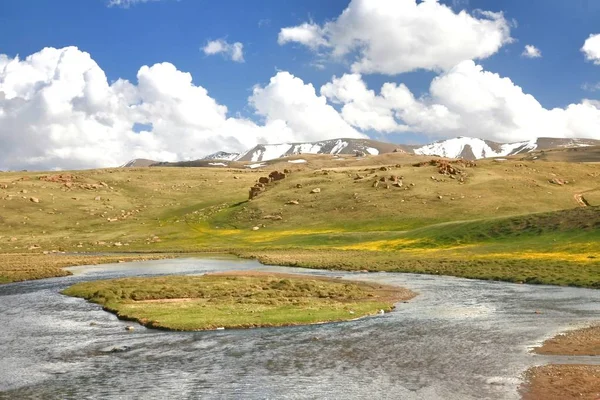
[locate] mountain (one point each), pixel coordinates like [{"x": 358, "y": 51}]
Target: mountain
[
  {"x": 222, "y": 155},
  {"x": 474, "y": 149},
  {"x": 461, "y": 147},
  {"x": 266, "y": 152},
  {"x": 139, "y": 162}
]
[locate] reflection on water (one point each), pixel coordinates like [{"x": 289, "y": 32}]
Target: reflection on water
[{"x": 459, "y": 339}]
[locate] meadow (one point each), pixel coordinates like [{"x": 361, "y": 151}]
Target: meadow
[
  {"x": 238, "y": 300},
  {"x": 517, "y": 220}
]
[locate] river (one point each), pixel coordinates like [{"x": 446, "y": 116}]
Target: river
[{"x": 459, "y": 339}]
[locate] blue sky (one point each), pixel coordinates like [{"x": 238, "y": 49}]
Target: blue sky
[{"x": 123, "y": 39}]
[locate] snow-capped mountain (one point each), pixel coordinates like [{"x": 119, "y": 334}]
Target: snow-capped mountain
[
  {"x": 221, "y": 155},
  {"x": 474, "y": 149},
  {"x": 266, "y": 152},
  {"x": 460, "y": 147}
]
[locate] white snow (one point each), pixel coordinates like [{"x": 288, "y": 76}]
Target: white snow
[
  {"x": 258, "y": 165},
  {"x": 217, "y": 164},
  {"x": 256, "y": 155},
  {"x": 221, "y": 155},
  {"x": 299, "y": 161},
  {"x": 509, "y": 148},
  {"x": 307, "y": 148},
  {"x": 339, "y": 146},
  {"x": 273, "y": 151},
  {"x": 453, "y": 148},
  {"x": 372, "y": 151}
]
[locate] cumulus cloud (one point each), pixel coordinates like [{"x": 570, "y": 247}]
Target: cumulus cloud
[
  {"x": 467, "y": 101},
  {"x": 531, "y": 52},
  {"x": 309, "y": 34},
  {"x": 591, "y": 49},
  {"x": 287, "y": 99},
  {"x": 233, "y": 51},
  {"x": 392, "y": 37},
  {"x": 57, "y": 110}
]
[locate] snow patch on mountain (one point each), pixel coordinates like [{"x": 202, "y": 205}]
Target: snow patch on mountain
[
  {"x": 459, "y": 148},
  {"x": 339, "y": 146},
  {"x": 222, "y": 155}
]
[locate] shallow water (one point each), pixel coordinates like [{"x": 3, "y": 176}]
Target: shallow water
[{"x": 459, "y": 339}]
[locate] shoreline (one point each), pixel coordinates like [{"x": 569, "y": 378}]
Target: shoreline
[
  {"x": 239, "y": 300},
  {"x": 566, "y": 381}
]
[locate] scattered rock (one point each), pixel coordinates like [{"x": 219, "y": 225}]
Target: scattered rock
[
  {"x": 129, "y": 328},
  {"x": 255, "y": 228},
  {"x": 375, "y": 184},
  {"x": 277, "y": 176},
  {"x": 384, "y": 169},
  {"x": 97, "y": 198},
  {"x": 557, "y": 181},
  {"x": 273, "y": 217},
  {"x": 34, "y": 199},
  {"x": 293, "y": 202},
  {"x": 264, "y": 180},
  {"x": 316, "y": 190},
  {"x": 298, "y": 186}
]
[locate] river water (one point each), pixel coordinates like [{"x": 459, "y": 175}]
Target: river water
[{"x": 459, "y": 339}]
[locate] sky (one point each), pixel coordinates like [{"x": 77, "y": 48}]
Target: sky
[{"x": 96, "y": 83}]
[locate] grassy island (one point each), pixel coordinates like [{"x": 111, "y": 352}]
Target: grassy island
[{"x": 238, "y": 299}]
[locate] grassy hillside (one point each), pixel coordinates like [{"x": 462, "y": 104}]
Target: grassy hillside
[{"x": 423, "y": 214}]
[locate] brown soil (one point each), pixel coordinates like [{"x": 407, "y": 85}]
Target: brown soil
[
  {"x": 563, "y": 382},
  {"x": 581, "y": 342}
]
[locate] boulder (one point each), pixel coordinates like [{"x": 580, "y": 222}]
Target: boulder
[
  {"x": 316, "y": 190},
  {"x": 263, "y": 180},
  {"x": 293, "y": 202},
  {"x": 277, "y": 176},
  {"x": 34, "y": 199}
]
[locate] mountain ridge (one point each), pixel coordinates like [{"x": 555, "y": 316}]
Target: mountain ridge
[{"x": 467, "y": 148}]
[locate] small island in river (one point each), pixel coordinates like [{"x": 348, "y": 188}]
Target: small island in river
[{"x": 238, "y": 299}]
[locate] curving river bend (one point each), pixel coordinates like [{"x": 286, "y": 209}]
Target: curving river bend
[{"x": 459, "y": 339}]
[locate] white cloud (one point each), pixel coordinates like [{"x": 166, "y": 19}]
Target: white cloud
[
  {"x": 288, "y": 99},
  {"x": 57, "y": 110},
  {"x": 591, "y": 49},
  {"x": 393, "y": 37},
  {"x": 126, "y": 3},
  {"x": 531, "y": 52},
  {"x": 234, "y": 51},
  {"x": 465, "y": 101},
  {"x": 308, "y": 34}
]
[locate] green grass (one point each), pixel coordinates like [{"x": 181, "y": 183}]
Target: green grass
[
  {"x": 506, "y": 221},
  {"x": 237, "y": 300}
]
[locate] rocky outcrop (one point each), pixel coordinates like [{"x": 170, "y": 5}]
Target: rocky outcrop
[{"x": 263, "y": 181}]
